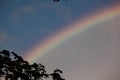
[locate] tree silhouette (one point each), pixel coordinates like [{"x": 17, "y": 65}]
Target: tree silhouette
[
  {"x": 57, "y": 0},
  {"x": 14, "y": 67}
]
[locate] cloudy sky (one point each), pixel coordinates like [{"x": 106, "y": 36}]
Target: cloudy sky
[{"x": 90, "y": 55}]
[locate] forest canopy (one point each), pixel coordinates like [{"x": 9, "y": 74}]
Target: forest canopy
[{"x": 14, "y": 67}]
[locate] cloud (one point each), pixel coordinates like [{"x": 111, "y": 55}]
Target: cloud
[
  {"x": 59, "y": 8},
  {"x": 18, "y": 13},
  {"x": 7, "y": 38},
  {"x": 3, "y": 36}
]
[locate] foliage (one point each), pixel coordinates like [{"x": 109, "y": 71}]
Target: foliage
[
  {"x": 14, "y": 67},
  {"x": 57, "y": 0}
]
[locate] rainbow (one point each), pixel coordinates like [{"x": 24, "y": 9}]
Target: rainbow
[{"x": 72, "y": 29}]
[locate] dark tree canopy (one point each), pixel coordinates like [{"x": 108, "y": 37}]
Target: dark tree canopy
[
  {"x": 14, "y": 67},
  {"x": 57, "y": 0}
]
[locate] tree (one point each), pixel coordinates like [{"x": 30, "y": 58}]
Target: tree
[
  {"x": 57, "y": 0},
  {"x": 14, "y": 67}
]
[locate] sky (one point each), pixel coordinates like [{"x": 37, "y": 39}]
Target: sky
[{"x": 90, "y": 55}]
